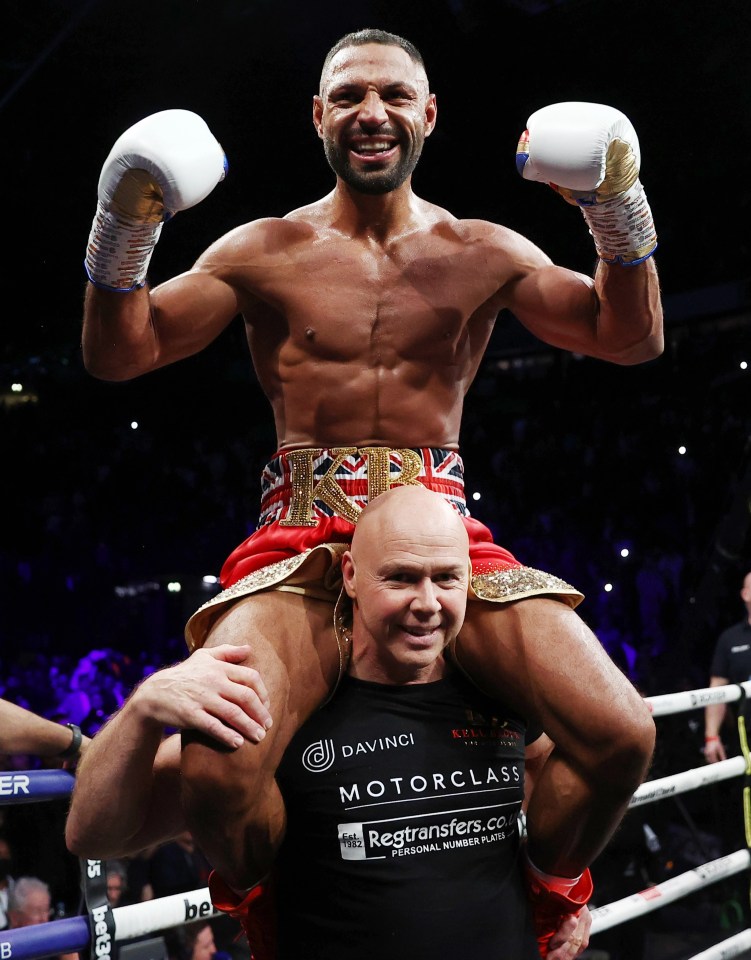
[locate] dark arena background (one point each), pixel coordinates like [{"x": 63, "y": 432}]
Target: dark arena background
[{"x": 633, "y": 483}]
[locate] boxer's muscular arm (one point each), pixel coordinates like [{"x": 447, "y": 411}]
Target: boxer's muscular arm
[
  {"x": 590, "y": 154},
  {"x": 129, "y": 334},
  {"x": 126, "y": 795},
  {"x": 163, "y": 164},
  {"x": 616, "y": 317},
  {"x": 535, "y": 757},
  {"x": 572, "y": 936}
]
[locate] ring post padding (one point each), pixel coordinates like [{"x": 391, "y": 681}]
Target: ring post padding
[
  {"x": 102, "y": 925},
  {"x": 32, "y": 786}
]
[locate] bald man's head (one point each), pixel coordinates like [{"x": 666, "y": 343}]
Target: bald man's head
[
  {"x": 407, "y": 574},
  {"x": 408, "y": 513}
]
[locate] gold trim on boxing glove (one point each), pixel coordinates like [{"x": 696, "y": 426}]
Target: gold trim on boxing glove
[{"x": 139, "y": 197}]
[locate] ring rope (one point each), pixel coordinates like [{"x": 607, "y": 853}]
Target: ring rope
[
  {"x": 669, "y": 703},
  {"x": 30, "y": 786},
  {"x": 653, "y": 898},
  {"x": 70, "y": 935},
  {"x": 732, "y": 947},
  {"x": 687, "y": 780},
  {"x": 138, "y": 919}
]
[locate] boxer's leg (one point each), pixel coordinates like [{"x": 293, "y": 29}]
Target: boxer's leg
[
  {"x": 542, "y": 659},
  {"x": 231, "y": 800}
]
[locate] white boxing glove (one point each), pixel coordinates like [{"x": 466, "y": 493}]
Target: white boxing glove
[
  {"x": 163, "y": 164},
  {"x": 589, "y": 153}
]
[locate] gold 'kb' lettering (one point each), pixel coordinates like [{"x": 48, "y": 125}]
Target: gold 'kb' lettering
[{"x": 327, "y": 489}]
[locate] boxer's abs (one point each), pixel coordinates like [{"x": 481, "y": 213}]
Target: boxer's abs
[{"x": 344, "y": 404}]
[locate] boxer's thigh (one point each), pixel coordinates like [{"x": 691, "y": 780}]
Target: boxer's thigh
[
  {"x": 540, "y": 657},
  {"x": 293, "y": 646}
]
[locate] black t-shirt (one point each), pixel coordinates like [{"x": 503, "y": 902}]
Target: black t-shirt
[
  {"x": 403, "y": 838},
  {"x": 732, "y": 655}
]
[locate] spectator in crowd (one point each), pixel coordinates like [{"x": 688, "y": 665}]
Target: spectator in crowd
[
  {"x": 178, "y": 867},
  {"x": 6, "y": 880},
  {"x": 117, "y": 883},
  {"x": 194, "y": 941},
  {"x": 29, "y": 903},
  {"x": 731, "y": 663}
]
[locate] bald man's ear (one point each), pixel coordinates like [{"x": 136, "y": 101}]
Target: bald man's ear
[{"x": 348, "y": 574}]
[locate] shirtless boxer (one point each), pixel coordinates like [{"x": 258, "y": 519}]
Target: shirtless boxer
[{"x": 367, "y": 315}]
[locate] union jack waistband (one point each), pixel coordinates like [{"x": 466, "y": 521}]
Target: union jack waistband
[{"x": 300, "y": 487}]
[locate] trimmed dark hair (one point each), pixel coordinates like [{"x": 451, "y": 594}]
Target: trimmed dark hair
[{"x": 372, "y": 35}]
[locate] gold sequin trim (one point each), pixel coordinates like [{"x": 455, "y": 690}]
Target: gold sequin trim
[
  {"x": 259, "y": 579},
  {"x": 516, "y": 583},
  {"x": 328, "y": 579}
]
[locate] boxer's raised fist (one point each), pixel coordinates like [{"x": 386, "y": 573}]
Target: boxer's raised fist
[
  {"x": 165, "y": 163},
  {"x": 589, "y": 153}
]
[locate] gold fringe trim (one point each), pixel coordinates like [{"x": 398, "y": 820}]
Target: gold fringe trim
[
  {"x": 314, "y": 573},
  {"x": 516, "y": 583}
]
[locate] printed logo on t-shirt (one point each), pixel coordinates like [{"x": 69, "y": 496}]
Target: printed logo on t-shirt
[
  {"x": 481, "y": 728},
  {"x": 741, "y": 648},
  {"x": 320, "y": 755},
  {"x": 427, "y": 833}
]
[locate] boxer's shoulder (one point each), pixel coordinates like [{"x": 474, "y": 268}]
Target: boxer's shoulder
[
  {"x": 497, "y": 243},
  {"x": 259, "y": 241}
]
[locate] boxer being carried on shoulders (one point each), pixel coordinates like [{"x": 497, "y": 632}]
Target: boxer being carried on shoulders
[{"x": 367, "y": 315}]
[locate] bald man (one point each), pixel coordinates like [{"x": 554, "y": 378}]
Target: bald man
[{"x": 403, "y": 792}]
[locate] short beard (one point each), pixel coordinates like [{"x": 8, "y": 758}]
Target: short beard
[{"x": 373, "y": 183}]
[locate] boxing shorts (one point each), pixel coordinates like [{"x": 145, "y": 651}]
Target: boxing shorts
[{"x": 310, "y": 501}]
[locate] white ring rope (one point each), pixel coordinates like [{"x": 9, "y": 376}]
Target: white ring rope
[
  {"x": 138, "y": 919},
  {"x": 732, "y": 947},
  {"x": 653, "y": 898},
  {"x": 669, "y": 703},
  {"x": 687, "y": 780},
  {"x": 151, "y": 916}
]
